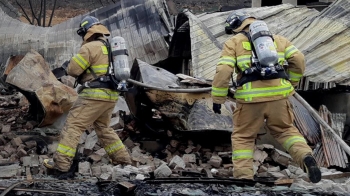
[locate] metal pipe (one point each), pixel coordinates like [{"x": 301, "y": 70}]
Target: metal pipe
[
  {"x": 197, "y": 90},
  {"x": 327, "y": 128},
  {"x": 12, "y": 187},
  {"x": 36, "y": 190}
]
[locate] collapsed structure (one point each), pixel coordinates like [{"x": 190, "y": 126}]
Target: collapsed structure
[{"x": 194, "y": 43}]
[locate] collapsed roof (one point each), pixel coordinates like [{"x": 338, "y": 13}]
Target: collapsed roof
[
  {"x": 321, "y": 36},
  {"x": 143, "y": 24}
]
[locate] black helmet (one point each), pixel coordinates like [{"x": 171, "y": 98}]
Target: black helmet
[
  {"x": 235, "y": 20},
  {"x": 86, "y": 24}
]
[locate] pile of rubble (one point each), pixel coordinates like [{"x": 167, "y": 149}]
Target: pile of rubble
[{"x": 164, "y": 155}]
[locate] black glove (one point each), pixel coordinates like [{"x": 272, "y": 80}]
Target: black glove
[
  {"x": 217, "y": 108},
  {"x": 65, "y": 65}
]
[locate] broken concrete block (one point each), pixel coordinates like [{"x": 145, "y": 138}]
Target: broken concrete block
[
  {"x": 126, "y": 187},
  {"x": 96, "y": 171},
  {"x": 11, "y": 119},
  {"x": 9, "y": 171},
  {"x": 129, "y": 143},
  {"x": 90, "y": 142},
  {"x": 16, "y": 141},
  {"x": 140, "y": 177},
  {"x": 106, "y": 172},
  {"x": 162, "y": 171},
  {"x": 95, "y": 157},
  {"x": 215, "y": 161},
  {"x": 174, "y": 143},
  {"x": 274, "y": 169},
  {"x": 116, "y": 123},
  {"x": 260, "y": 155},
  {"x": 2, "y": 140},
  {"x": 286, "y": 172},
  {"x": 158, "y": 162},
  {"x": 21, "y": 153},
  {"x": 9, "y": 149},
  {"x": 5, "y": 128},
  {"x": 189, "y": 149},
  {"x": 189, "y": 158},
  {"x": 30, "y": 144},
  {"x": 102, "y": 152},
  {"x": 275, "y": 174},
  {"x": 85, "y": 168},
  {"x": 281, "y": 157},
  {"x": 4, "y": 154},
  {"x": 177, "y": 161},
  {"x": 83, "y": 138}
]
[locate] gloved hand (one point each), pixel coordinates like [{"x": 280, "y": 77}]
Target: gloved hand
[
  {"x": 217, "y": 108},
  {"x": 65, "y": 64}
]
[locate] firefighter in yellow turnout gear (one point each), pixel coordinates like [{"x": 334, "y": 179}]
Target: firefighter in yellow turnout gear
[
  {"x": 260, "y": 99},
  {"x": 94, "y": 106}
]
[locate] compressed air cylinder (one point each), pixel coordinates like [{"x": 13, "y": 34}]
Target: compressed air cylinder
[
  {"x": 263, "y": 44},
  {"x": 120, "y": 59}
]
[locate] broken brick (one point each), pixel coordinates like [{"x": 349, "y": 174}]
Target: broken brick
[
  {"x": 9, "y": 149},
  {"x": 174, "y": 143},
  {"x": 126, "y": 187},
  {"x": 5, "y": 128},
  {"x": 162, "y": 171},
  {"x": 31, "y": 144},
  {"x": 21, "y": 153},
  {"x": 215, "y": 161},
  {"x": 177, "y": 161},
  {"x": 16, "y": 141},
  {"x": 189, "y": 158},
  {"x": 95, "y": 157},
  {"x": 84, "y": 168}
]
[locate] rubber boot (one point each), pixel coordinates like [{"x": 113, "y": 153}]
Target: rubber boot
[{"x": 311, "y": 168}]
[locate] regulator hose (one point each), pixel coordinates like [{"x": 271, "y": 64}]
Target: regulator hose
[{"x": 177, "y": 90}]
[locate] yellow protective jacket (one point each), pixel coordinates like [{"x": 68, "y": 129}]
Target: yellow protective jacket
[
  {"x": 92, "y": 54},
  {"x": 236, "y": 56}
]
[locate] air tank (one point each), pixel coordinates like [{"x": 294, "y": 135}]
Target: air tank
[
  {"x": 120, "y": 61},
  {"x": 263, "y": 44}
]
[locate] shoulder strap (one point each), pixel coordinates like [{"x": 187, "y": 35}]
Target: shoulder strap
[{"x": 250, "y": 40}]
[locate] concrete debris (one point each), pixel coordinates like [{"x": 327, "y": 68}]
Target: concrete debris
[{"x": 162, "y": 171}]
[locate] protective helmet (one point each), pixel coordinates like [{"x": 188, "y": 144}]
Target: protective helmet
[
  {"x": 86, "y": 24},
  {"x": 236, "y": 22}
]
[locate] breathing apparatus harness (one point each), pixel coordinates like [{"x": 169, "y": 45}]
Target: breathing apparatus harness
[
  {"x": 257, "y": 71},
  {"x": 108, "y": 80}
]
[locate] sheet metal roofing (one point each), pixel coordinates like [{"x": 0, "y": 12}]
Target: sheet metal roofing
[
  {"x": 321, "y": 36},
  {"x": 143, "y": 24}
]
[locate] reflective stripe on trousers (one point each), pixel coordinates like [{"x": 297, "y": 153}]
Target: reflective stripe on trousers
[
  {"x": 242, "y": 154},
  {"x": 110, "y": 149},
  {"x": 66, "y": 150},
  {"x": 292, "y": 140}
]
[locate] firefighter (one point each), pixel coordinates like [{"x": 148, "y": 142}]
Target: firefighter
[
  {"x": 259, "y": 99},
  {"x": 95, "y": 105}
]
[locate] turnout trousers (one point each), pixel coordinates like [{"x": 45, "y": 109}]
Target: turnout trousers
[
  {"x": 248, "y": 118},
  {"x": 86, "y": 112}
]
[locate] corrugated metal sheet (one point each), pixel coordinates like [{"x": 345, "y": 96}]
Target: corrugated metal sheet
[
  {"x": 142, "y": 23},
  {"x": 321, "y": 36},
  {"x": 333, "y": 154}
]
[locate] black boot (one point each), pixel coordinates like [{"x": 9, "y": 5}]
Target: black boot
[{"x": 311, "y": 168}]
